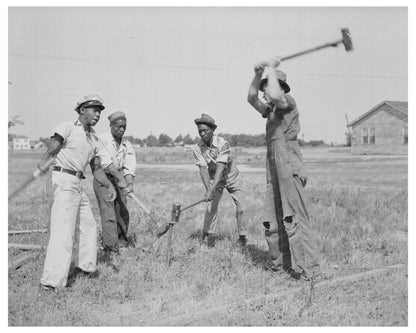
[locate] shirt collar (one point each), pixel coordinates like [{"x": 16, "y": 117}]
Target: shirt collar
[
  {"x": 123, "y": 140},
  {"x": 214, "y": 143},
  {"x": 78, "y": 123}
]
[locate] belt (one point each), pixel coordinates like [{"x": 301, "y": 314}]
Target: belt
[{"x": 78, "y": 174}]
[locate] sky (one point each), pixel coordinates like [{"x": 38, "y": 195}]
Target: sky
[{"x": 165, "y": 66}]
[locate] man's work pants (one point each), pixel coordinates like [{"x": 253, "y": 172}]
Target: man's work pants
[
  {"x": 114, "y": 216},
  {"x": 211, "y": 214},
  {"x": 69, "y": 198}
]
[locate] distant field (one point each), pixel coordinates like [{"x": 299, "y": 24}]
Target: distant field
[{"x": 359, "y": 213}]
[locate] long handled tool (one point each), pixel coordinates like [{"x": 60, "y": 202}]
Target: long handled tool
[
  {"x": 191, "y": 205},
  {"x": 346, "y": 40},
  {"x": 143, "y": 207},
  {"x": 30, "y": 179},
  {"x": 165, "y": 228}
]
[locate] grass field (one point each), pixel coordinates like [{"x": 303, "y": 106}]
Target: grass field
[{"x": 359, "y": 213}]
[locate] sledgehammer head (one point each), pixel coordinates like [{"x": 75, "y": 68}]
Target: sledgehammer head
[{"x": 346, "y": 39}]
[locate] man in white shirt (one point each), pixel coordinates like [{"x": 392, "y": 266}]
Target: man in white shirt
[
  {"x": 74, "y": 145},
  {"x": 114, "y": 214}
]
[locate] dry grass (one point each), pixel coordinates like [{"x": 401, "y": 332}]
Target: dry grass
[{"x": 359, "y": 210}]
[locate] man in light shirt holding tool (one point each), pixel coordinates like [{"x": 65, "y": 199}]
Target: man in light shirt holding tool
[
  {"x": 114, "y": 214},
  {"x": 218, "y": 171}
]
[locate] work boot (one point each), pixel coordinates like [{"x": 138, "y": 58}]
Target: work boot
[
  {"x": 208, "y": 239},
  {"x": 129, "y": 242},
  {"x": 106, "y": 258},
  {"x": 79, "y": 272},
  {"x": 293, "y": 274},
  {"x": 242, "y": 240},
  {"x": 47, "y": 288},
  {"x": 211, "y": 240},
  {"x": 91, "y": 275}
]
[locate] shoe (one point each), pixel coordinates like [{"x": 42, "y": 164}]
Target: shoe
[
  {"x": 242, "y": 240},
  {"x": 79, "y": 272},
  {"x": 293, "y": 274},
  {"x": 208, "y": 239},
  {"x": 91, "y": 275},
  {"x": 211, "y": 240},
  {"x": 106, "y": 258},
  {"x": 45, "y": 287}
]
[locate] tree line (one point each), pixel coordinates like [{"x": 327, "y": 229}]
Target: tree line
[
  {"x": 241, "y": 140},
  {"x": 164, "y": 140}
]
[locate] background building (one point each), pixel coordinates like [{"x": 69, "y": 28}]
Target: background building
[
  {"x": 381, "y": 130},
  {"x": 21, "y": 142}
]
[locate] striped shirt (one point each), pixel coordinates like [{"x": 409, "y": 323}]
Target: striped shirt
[{"x": 218, "y": 152}]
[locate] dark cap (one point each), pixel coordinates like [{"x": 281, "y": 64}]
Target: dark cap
[
  {"x": 207, "y": 120},
  {"x": 281, "y": 76},
  {"x": 90, "y": 100}
]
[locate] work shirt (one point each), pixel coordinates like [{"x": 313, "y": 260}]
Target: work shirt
[
  {"x": 282, "y": 128},
  {"x": 218, "y": 152},
  {"x": 123, "y": 155},
  {"x": 79, "y": 147}
]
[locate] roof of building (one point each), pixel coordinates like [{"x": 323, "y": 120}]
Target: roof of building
[{"x": 402, "y": 107}]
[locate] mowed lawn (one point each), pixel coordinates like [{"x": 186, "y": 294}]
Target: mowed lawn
[{"x": 358, "y": 207}]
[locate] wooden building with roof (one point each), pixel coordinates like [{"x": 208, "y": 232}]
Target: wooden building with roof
[{"x": 381, "y": 130}]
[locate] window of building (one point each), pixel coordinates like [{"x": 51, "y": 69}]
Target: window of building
[
  {"x": 372, "y": 135},
  {"x": 369, "y": 136},
  {"x": 405, "y": 135},
  {"x": 365, "y": 135}
]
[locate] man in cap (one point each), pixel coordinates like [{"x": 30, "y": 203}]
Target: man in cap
[
  {"x": 218, "y": 171},
  {"x": 114, "y": 214},
  {"x": 288, "y": 229},
  {"x": 74, "y": 145}
]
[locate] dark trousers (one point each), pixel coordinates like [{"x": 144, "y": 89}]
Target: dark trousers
[{"x": 114, "y": 215}]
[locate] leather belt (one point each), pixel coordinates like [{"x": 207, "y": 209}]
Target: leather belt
[{"x": 78, "y": 174}]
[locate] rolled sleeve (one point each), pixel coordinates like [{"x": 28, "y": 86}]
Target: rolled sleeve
[
  {"x": 63, "y": 130},
  {"x": 224, "y": 153},
  {"x": 103, "y": 155},
  {"x": 199, "y": 159},
  {"x": 129, "y": 167}
]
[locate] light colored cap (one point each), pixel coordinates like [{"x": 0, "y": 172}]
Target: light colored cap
[
  {"x": 90, "y": 100},
  {"x": 116, "y": 115}
]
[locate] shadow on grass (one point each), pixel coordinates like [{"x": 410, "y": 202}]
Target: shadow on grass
[
  {"x": 259, "y": 257},
  {"x": 256, "y": 255},
  {"x": 197, "y": 235}
]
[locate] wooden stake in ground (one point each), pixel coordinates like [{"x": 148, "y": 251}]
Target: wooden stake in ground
[{"x": 176, "y": 212}]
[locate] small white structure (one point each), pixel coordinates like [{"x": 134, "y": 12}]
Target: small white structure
[{"x": 21, "y": 143}]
